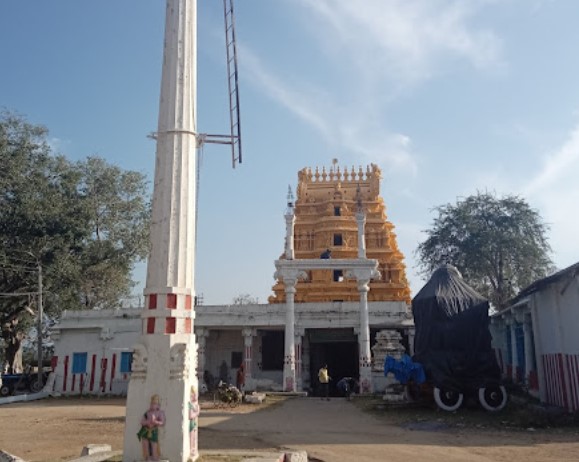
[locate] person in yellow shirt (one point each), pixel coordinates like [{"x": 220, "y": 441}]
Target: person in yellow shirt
[{"x": 324, "y": 379}]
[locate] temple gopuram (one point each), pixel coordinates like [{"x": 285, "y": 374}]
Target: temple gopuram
[{"x": 325, "y": 220}]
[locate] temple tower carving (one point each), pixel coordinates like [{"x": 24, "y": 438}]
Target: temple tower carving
[{"x": 325, "y": 219}]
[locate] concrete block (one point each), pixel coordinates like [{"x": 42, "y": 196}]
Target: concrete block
[
  {"x": 91, "y": 449},
  {"x": 279, "y": 458},
  {"x": 255, "y": 398},
  {"x": 296, "y": 456},
  {"x": 7, "y": 457},
  {"x": 99, "y": 457}
]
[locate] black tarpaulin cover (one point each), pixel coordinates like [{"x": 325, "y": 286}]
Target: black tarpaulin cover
[{"x": 452, "y": 340}]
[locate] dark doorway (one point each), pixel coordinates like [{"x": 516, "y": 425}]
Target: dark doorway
[
  {"x": 338, "y": 348},
  {"x": 272, "y": 350}
]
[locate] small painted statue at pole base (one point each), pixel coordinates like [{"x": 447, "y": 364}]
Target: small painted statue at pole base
[
  {"x": 194, "y": 411},
  {"x": 149, "y": 433}
]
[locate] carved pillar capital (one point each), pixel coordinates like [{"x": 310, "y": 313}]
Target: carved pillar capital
[
  {"x": 363, "y": 285},
  {"x": 299, "y": 332},
  {"x": 201, "y": 333},
  {"x": 106, "y": 333},
  {"x": 249, "y": 332},
  {"x": 363, "y": 276},
  {"x": 290, "y": 277}
]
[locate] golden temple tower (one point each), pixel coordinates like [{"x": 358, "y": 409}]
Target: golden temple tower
[{"x": 325, "y": 220}]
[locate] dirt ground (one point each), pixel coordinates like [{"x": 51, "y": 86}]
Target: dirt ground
[{"x": 363, "y": 430}]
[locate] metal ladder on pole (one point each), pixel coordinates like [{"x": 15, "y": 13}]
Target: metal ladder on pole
[
  {"x": 233, "y": 138},
  {"x": 232, "y": 82}
]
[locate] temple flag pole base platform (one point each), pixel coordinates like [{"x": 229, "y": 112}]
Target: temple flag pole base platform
[
  {"x": 158, "y": 425},
  {"x": 207, "y": 456},
  {"x": 103, "y": 454}
]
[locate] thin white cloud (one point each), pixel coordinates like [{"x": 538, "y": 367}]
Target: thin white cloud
[
  {"x": 554, "y": 190},
  {"x": 351, "y": 131},
  {"x": 57, "y": 145},
  {"x": 561, "y": 162},
  {"x": 293, "y": 100},
  {"x": 403, "y": 39},
  {"x": 389, "y": 150},
  {"x": 556, "y": 206},
  {"x": 382, "y": 46},
  {"x": 538, "y": 5}
]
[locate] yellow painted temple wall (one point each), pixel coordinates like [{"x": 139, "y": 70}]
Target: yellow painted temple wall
[{"x": 325, "y": 218}]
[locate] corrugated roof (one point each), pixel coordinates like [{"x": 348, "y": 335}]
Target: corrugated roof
[{"x": 569, "y": 272}]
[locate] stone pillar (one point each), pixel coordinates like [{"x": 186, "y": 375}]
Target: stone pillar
[
  {"x": 289, "y": 364},
  {"x": 363, "y": 276},
  {"x": 361, "y": 220},
  {"x": 528, "y": 331},
  {"x": 365, "y": 356},
  {"x": 411, "y": 333},
  {"x": 290, "y": 220},
  {"x": 538, "y": 344},
  {"x": 299, "y": 334},
  {"x": 164, "y": 358},
  {"x": 201, "y": 335},
  {"x": 290, "y": 278},
  {"x": 248, "y": 334},
  {"x": 514, "y": 355}
]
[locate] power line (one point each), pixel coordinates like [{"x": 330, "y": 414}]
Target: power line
[
  {"x": 17, "y": 294},
  {"x": 28, "y": 269},
  {"x": 19, "y": 259}
]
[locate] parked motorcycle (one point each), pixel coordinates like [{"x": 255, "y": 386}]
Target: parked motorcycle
[{"x": 25, "y": 382}]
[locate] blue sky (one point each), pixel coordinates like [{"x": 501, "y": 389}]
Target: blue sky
[{"x": 447, "y": 97}]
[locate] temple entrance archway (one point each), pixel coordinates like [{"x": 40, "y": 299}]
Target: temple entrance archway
[{"x": 338, "y": 348}]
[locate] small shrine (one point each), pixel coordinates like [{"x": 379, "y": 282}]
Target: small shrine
[{"x": 388, "y": 344}]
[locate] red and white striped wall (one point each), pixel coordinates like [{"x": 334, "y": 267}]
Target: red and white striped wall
[
  {"x": 562, "y": 380},
  {"x": 101, "y": 372}
]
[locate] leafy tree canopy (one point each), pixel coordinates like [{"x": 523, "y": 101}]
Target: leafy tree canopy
[
  {"x": 498, "y": 244},
  {"x": 83, "y": 224}
]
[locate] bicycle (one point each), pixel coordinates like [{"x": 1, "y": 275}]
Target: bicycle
[{"x": 227, "y": 394}]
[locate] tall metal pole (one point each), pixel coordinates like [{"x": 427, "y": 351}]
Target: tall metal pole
[{"x": 39, "y": 328}]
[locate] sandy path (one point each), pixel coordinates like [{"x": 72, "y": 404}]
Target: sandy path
[{"x": 334, "y": 431}]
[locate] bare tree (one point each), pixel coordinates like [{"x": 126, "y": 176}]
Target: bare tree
[{"x": 245, "y": 299}]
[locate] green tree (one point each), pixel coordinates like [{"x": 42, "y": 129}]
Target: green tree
[
  {"x": 498, "y": 244},
  {"x": 83, "y": 224},
  {"x": 118, "y": 213}
]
